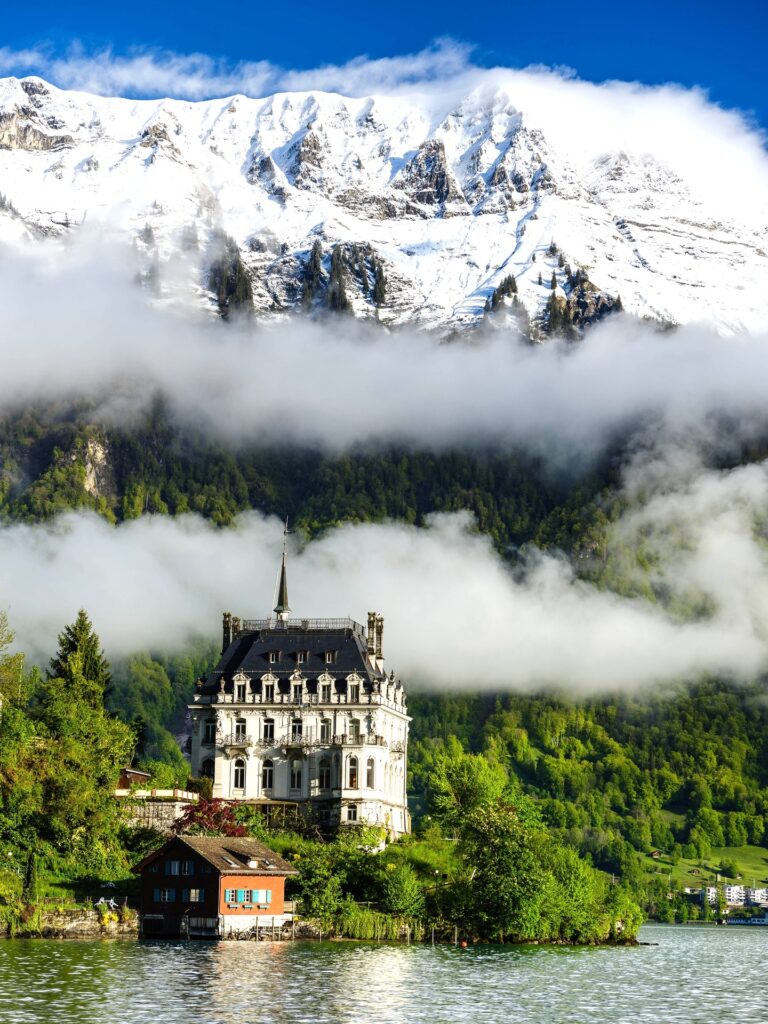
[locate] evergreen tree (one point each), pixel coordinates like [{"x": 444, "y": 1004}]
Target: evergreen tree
[
  {"x": 80, "y": 640},
  {"x": 540, "y": 281},
  {"x": 553, "y": 282},
  {"x": 229, "y": 281},
  {"x": 336, "y": 299},
  {"x": 618, "y": 305},
  {"x": 313, "y": 274},
  {"x": 379, "y": 284}
]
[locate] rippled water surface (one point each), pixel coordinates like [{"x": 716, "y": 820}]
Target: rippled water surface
[{"x": 694, "y": 975}]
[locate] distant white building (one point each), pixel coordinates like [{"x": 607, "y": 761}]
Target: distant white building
[
  {"x": 709, "y": 893},
  {"x": 756, "y": 897},
  {"x": 735, "y": 895},
  {"x": 301, "y": 711}
]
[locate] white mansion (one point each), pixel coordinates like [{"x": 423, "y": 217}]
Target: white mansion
[{"x": 301, "y": 711}]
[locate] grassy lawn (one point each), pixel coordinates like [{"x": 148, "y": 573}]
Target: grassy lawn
[{"x": 752, "y": 862}]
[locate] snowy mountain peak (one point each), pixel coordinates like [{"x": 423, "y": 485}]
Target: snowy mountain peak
[{"x": 448, "y": 205}]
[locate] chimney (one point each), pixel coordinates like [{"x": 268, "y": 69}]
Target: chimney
[
  {"x": 235, "y": 626},
  {"x": 371, "y": 633},
  {"x": 379, "y": 635},
  {"x": 227, "y": 631}
]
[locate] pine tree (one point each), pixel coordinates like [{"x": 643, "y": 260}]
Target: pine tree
[
  {"x": 313, "y": 274},
  {"x": 553, "y": 283},
  {"x": 336, "y": 299},
  {"x": 147, "y": 235},
  {"x": 552, "y": 248},
  {"x": 29, "y": 885},
  {"x": 618, "y": 305},
  {"x": 229, "y": 281},
  {"x": 379, "y": 285},
  {"x": 79, "y": 643},
  {"x": 540, "y": 281},
  {"x": 561, "y": 261}
]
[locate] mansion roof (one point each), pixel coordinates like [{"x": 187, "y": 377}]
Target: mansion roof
[{"x": 334, "y": 646}]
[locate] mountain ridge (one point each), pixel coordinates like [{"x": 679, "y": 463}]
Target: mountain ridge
[{"x": 450, "y": 205}]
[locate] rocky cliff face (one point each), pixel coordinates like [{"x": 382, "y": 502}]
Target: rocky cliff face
[{"x": 448, "y": 207}]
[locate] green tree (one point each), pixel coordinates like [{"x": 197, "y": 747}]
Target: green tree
[
  {"x": 90, "y": 665},
  {"x": 401, "y": 892},
  {"x": 458, "y": 783},
  {"x": 313, "y": 274}
]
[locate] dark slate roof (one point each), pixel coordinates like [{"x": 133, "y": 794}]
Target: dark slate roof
[
  {"x": 228, "y": 855},
  {"x": 250, "y": 651}
]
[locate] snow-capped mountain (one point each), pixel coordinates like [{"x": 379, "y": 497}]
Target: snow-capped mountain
[{"x": 447, "y": 206}]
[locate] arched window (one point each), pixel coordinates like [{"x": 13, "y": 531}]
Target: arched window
[
  {"x": 267, "y": 774},
  {"x": 352, "y": 773},
  {"x": 207, "y": 768},
  {"x": 239, "y": 774},
  {"x": 296, "y": 773},
  {"x": 336, "y": 770},
  {"x": 239, "y": 728},
  {"x": 324, "y": 773},
  {"x": 370, "y": 774}
]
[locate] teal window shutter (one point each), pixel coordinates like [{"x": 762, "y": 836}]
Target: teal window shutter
[
  {"x": 157, "y": 896},
  {"x": 185, "y": 895},
  {"x": 269, "y": 896},
  {"x": 240, "y": 895},
  {"x": 202, "y": 896}
]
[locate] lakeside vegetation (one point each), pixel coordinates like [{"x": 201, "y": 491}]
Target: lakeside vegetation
[
  {"x": 610, "y": 779},
  {"x": 507, "y": 876}
]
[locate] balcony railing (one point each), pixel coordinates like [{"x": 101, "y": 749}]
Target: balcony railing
[
  {"x": 302, "y": 625},
  {"x": 308, "y": 739},
  {"x": 234, "y": 739}
]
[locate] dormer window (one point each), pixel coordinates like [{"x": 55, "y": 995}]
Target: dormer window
[
  {"x": 330, "y": 657},
  {"x": 301, "y": 657},
  {"x": 240, "y": 692},
  {"x": 354, "y": 692},
  {"x": 272, "y": 657},
  {"x": 298, "y": 693}
]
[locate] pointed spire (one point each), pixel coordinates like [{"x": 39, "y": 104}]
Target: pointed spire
[{"x": 282, "y": 608}]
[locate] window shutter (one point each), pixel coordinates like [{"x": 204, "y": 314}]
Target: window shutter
[
  {"x": 167, "y": 867},
  {"x": 269, "y": 896},
  {"x": 240, "y": 895},
  {"x": 156, "y": 896},
  {"x": 185, "y": 895},
  {"x": 173, "y": 895},
  {"x": 202, "y": 896}
]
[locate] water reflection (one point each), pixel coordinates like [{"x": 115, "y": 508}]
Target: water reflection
[{"x": 693, "y": 976}]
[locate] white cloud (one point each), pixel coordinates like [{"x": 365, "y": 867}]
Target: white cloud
[
  {"x": 456, "y": 617},
  {"x": 343, "y": 384}
]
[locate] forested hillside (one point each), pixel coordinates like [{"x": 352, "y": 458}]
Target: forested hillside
[
  {"x": 63, "y": 459},
  {"x": 682, "y": 771}
]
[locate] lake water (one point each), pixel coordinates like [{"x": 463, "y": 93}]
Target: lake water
[{"x": 694, "y": 975}]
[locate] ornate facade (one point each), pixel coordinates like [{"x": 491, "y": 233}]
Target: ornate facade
[{"x": 301, "y": 711}]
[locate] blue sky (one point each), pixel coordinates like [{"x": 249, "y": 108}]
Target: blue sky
[{"x": 717, "y": 45}]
